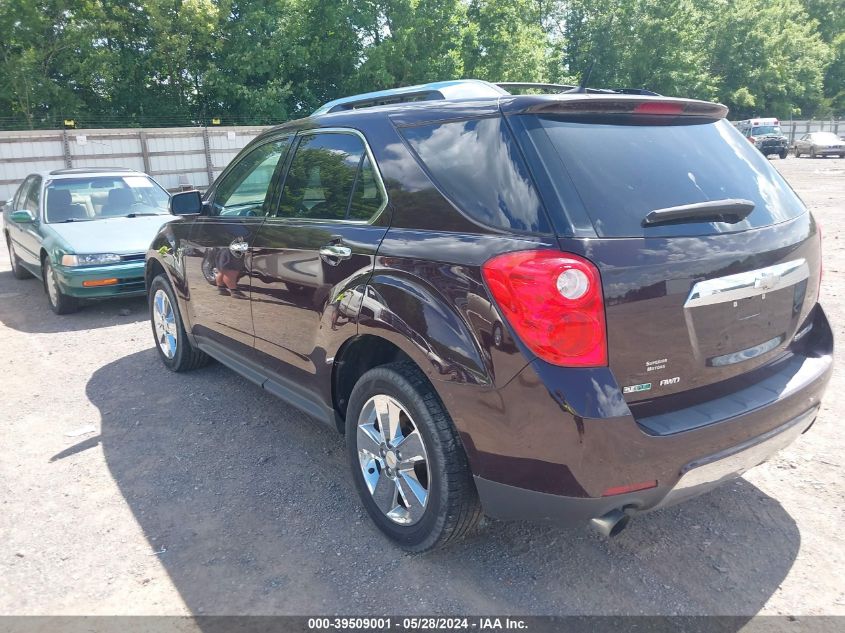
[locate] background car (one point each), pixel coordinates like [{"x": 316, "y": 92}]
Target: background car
[
  {"x": 83, "y": 232},
  {"x": 817, "y": 144},
  {"x": 766, "y": 135}
]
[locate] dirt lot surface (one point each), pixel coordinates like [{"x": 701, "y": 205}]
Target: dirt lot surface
[{"x": 202, "y": 494}]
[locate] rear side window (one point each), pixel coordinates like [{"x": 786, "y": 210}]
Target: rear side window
[
  {"x": 477, "y": 165},
  {"x": 33, "y": 196},
  {"x": 620, "y": 173}
]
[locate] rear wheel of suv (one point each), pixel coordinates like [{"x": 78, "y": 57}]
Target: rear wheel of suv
[
  {"x": 18, "y": 271},
  {"x": 407, "y": 462},
  {"x": 172, "y": 342}
]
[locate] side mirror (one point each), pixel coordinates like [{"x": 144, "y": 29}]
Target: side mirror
[
  {"x": 186, "y": 203},
  {"x": 22, "y": 216}
]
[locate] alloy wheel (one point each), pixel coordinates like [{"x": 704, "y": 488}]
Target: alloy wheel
[
  {"x": 164, "y": 321},
  {"x": 393, "y": 460}
]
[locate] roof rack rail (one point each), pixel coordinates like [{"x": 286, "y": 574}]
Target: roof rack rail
[
  {"x": 458, "y": 89},
  {"x": 90, "y": 170}
]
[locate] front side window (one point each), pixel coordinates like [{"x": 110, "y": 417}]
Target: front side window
[
  {"x": 20, "y": 195},
  {"x": 244, "y": 190},
  {"x": 331, "y": 178},
  {"x": 100, "y": 197}
]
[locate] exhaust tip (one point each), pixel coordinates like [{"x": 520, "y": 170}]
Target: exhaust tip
[{"x": 611, "y": 524}]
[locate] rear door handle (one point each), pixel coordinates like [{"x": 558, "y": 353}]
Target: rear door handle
[{"x": 333, "y": 253}]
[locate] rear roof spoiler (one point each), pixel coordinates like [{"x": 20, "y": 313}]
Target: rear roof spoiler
[
  {"x": 613, "y": 105},
  {"x": 561, "y": 88},
  {"x": 620, "y": 101}
]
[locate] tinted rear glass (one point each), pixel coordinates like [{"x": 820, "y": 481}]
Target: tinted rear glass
[
  {"x": 477, "y": 165},
  {"x": 620, "y": 173}
]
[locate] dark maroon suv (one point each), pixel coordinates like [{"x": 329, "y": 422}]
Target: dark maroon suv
[{"x": 576, "y": 306}]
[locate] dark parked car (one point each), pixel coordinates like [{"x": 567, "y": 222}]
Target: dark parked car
[
  {"x": 822, "y": 144},
  {"x": 654, "y": 282}
]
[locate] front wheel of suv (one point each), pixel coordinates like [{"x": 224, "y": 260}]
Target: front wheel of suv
[
  {"x": 407, "y": 462},
  {"x": 174, "y": 348}
]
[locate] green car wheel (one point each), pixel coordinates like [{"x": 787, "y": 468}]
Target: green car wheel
[
  {"x": 60, "y": 303},
  {"x": 18, "y": 271}
]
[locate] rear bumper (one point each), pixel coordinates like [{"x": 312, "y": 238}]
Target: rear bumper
[
  {"x": 566, "y": 452},
  {"x": 506, "y": 502},
  {"x": 129, "y": 275}
]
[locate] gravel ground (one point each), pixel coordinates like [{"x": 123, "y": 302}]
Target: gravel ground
[{"x": 201, "y": 494}]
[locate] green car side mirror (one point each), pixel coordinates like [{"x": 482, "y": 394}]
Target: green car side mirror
[{"x": 22, "y": 216}]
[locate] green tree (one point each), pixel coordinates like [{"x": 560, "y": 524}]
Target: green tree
[
  {"x": 766, "y": 57},
  {"x": 505, "y": 41},
  {"x": 409, "y": 41}
]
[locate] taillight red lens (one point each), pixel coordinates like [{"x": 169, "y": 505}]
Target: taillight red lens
[
  {"x": 554, "y": 302},
  {"x": 659, "y": 107}
]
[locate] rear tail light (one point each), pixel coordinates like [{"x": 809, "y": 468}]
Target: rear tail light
[
  {"x": 659, "y": 107},
  {"x": 554, "y": 303}
]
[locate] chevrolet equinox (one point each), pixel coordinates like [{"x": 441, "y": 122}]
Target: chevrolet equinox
[{"x": 577, "y": 306}]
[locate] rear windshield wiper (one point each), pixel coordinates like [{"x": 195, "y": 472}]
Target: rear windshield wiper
[{"x": 730, "y": 210}]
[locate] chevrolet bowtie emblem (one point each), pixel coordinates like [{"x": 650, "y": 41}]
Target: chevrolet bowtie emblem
[{"x": 765, "y": 281}]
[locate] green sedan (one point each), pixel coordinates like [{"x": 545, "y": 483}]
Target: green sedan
[{"x": 84, "y": 232}]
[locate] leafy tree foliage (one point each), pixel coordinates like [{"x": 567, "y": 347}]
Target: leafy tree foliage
[{"x": 177, "y": 62}]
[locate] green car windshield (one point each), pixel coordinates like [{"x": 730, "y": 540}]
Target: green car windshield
[{"x": 100, "y": 197}]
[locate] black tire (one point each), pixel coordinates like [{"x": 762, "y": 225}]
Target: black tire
[
  {"x": 452, "y": 508},
  {"x": 60, "y": 303},
  {"x": 783, "y": 154},
  {"x": 185, "y": 357},
  {"x": 18, "y": 271}
]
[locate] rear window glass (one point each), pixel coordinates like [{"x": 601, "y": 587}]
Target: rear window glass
[
  {"x": 477, "y": 165},
  {"x": 620, "y": 173}
]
